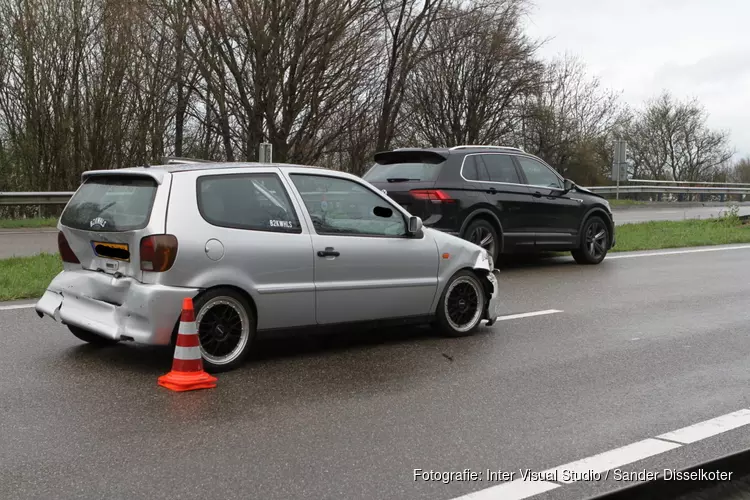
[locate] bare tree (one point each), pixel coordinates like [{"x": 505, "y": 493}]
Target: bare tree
[
  {"x": 670, "y": 139},
  {"x": 570, "y": 122},
  {"x": 470, "y": 89}
]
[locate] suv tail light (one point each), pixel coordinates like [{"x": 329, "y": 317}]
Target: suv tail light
[
  {"x": 158, "y": 252},
  {"x": 434, "y": 195},
  {"x": 66, "y": 253}
]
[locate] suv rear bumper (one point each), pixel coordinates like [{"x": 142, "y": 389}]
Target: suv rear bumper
[{"x": 115, "y": 308}]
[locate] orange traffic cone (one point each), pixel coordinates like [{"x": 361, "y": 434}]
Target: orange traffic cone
[{"x": 187, "y": 366}]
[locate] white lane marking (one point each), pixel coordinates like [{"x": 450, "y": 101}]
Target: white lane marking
[
  {"x": 613, "y": 458},
  {"x": 513, "y": 490},
  {"x": 709, "y": 428},
  {"x": 17, "y": 306},
  {"x": 618, "y": 457},
  {"x": 677, "y": 252},
  {"x": 528, "y": 314}
]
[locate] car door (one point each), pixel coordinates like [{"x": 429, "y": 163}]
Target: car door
[
  {"x": 366, "y": 265},
  {"x": 556, "y": 214},
  {"x": 509, "y": 197},
  {"x": 245, "y": 231}
]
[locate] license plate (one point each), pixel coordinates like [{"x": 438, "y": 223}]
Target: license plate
[{"x": 115, "y": 251}]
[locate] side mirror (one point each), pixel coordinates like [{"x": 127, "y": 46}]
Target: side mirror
[
  {"x": 568, "y": 185},
  {"x": 415, "y": 225}
]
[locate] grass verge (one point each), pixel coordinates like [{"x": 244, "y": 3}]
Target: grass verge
[
  {"x": 28, "y": 223},
  {"x": 676, "y": 234},
  {"x": 625, "y": 203},
  {"x": 27, "y": 277}
]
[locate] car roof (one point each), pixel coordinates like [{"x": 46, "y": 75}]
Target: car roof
[{"x": 158, "y": 171}]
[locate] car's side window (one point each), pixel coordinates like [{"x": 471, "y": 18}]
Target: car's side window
[
  {"x": 474, "y": 169},
  {"x": 501, "y": 168},
  {"x": 344, "y": 207},
  {"x": 247, "y": 201},
  {"x": 538, "y": 174}
]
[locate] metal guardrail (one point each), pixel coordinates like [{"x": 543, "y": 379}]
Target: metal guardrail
[
  {"x": 35, "y": 198},
  {"x": 62, "y": 197},
  {"x": 669, "y": 189}
]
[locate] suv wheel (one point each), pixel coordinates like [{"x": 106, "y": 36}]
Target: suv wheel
[
  {"x": 461, "y": 305},
  {"x": 594, "y": 242},
  {"x": 482, "y": 233},
  {"x": 226, "y": 328}
]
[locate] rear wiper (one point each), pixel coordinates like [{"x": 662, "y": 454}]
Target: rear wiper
[{"x": 401, "y": 179}]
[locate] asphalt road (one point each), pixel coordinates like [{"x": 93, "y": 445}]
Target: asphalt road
[
  {"x": 641, "y": 345},
  {"x": 627, "y": 215}
]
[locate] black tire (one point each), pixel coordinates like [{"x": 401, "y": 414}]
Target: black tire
[
  {"x": 594, "y": 242},
  {"x": 220, "y": 315},
  {"x": 482, "y": 233},
  {"x": 451, "y": 321},
  {"x": 91, "y": 337}
]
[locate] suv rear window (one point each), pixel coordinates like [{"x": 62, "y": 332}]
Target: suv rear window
[
  {"x": 405, "y": 166},
  {"x": 403, "y": 172},
  {"x": 111, "y": 203}
]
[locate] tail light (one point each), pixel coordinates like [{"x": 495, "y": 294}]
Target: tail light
[
  {"x": 433, "y": 195},
  {"x": 158, "y": 252},
  {"x": 66, "y": 253}
]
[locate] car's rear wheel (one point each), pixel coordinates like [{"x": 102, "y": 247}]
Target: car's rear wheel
[
  {"x": 461, "y": 305},
  {"x": 226, "y": 328},
  {"x": 482, "y": 233},
  {"x": 594, "y": 242},
  {"x": 91, "y": 337}
]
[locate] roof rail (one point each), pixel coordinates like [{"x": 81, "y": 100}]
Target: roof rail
[
  {"x": 483, "y": 146},
  {"x": 178, "y": 160}
]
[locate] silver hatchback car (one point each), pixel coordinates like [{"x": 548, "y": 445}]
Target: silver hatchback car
[{"x": 260, "y": 248}]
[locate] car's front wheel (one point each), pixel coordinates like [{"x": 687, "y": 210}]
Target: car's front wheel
[
  {"x": 462, "y": 303},
  {"x": 594, "y": 242},
  {"x": 91, "y": 337},
  {"x": 226, "y": 328}
]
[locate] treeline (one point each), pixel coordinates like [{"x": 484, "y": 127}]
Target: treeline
[{"x": 115, "y": 83}]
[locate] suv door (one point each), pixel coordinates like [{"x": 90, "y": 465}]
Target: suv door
[
  {"x": 556, "y": 215},
  {"x": 366, "y": 266},
  {"x": 511, "y": 200}
]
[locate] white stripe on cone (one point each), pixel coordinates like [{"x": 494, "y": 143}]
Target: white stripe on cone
[
  {"x": 187, "y": 353},
  {"x": 187, "y": 328}
]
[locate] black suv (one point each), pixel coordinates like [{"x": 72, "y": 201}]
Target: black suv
[{"x": 500, "y": 198}]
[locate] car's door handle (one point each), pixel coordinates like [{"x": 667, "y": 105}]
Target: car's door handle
[
  {"x": 537, "y": 194},
  {"x": 328, "y": 252},
  {"x": 492, "y": 190}
]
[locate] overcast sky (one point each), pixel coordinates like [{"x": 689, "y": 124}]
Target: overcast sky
[{"x": 695, "y": 48}]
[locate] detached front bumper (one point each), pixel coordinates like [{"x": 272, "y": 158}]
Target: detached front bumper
[
  {"x": 493, "y": 304},
  {"x": 116, "y": 308}
]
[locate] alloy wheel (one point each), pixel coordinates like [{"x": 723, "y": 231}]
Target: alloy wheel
[
  {"x": 463, "y": 304},
  {"x": 223, "y": 329},
  {"x": 596, "y": 239},
  {"x": 483, "y": 237}
]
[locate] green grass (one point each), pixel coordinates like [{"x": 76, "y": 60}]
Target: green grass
[
  {"x": 625, "y": 203},
  {"x": 28, "y": 223},
  {"x": 676, "y": 234},
  {"x": 27, "y": 277}
]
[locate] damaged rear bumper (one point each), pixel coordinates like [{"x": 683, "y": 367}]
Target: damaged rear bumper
[{"x": 115, "y": 308}]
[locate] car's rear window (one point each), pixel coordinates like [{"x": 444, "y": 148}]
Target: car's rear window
[
  {"x": 403, "y": 172},
  {"x": 111, "y": 203}
]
